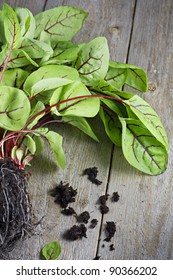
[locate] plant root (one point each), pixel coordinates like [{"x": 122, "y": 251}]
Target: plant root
[{"x": 15, "y": 207}]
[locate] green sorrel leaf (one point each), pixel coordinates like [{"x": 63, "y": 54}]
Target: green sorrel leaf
[
  {"x": 49, "y": 71},
  {"x": 112, "y": 125},
  {"x": 27, "y": 22},
  {"x": 148, "y": 117},
  {"x": 51, "y": 251},
  {"x": 141, "y": 149},
  {"x": 14, "y": 77},
  {"x": 11, "y": 26},
  {"x": 30, "y": 143},
  {"x": 14, "y": 108},
  {"x": 39, "y": 106},
  {"x": 59, "y": 24},
  {"x": 81, "y": 107},
  {"x": 120, "y": 74},
  {"x": 93, "y": 60},
  {"x": 65, "y": 52},
  {"x": 55, "y": 141},
  {"x": 36, "y": 49}
]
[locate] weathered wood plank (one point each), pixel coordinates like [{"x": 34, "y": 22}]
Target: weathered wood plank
[
  {"x": 34, "y": 6},
  {"x": 112, "y": 19},
  {"x": 144, "y": 213}
]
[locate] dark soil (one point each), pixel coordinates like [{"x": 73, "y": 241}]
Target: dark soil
[
  {"x": 110, "y": 230},
  {"x": 75, "y": 232},
  {"x": 111, "y": 247},
  {"x": 115, "y": 197},
  {"x": 94, "y": 223},
  {"x": 92, "y": 172},
  {"x": 63, "y": 194},
  {"x": 15, "y": 207},
  {"x": 83, "y": 217},
  {"x": 102, "y": 201},
  {"x": 68, "y": 211},
  {"x": 104, "y": 209}
]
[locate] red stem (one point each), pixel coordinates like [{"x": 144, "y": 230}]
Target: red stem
[
  {"x": 71, "y": 99},
  {"x": 8, "y": 56}
]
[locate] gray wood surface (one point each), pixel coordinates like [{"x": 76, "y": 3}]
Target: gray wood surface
[{"x": 140, "y": 32}]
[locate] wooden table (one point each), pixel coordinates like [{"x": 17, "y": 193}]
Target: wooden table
[{"x": 139, "y": 32}]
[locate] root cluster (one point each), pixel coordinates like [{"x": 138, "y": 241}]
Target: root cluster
[{"x": 15, "y": 207}]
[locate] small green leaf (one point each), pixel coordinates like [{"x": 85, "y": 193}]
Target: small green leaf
[
  {"x": 27, "y": 22},
  {"x": 18, "y": 58},
  {"x": 112, "y": 126},
  {"x": 55, "y": 141},
  {"x": 13, "y": 152},
  {"x": 49, "y": 71},
  {"x": 59, "y": 24},
  {"x": 148, "y": 117},
  {"x": 39, "y": 106},
  {"x": 93, "y": 61},
  {"x": 30, "y": 143},
  {"x": 108, "y": 89},
  {"x": 81, "y": 107},
  {"x": 19, "y": 154},
  {"x": 141, "y": 149},
  {"x": 14, "y": 108},
  {"x": 14, "y": 77},
  {"x": 36, "y": 49},
  {"x": 51, "y": 251},
  {"x": 39, "y": 142},
  {"x": 30, "y": 60},
  {"x": 63, "y": 55},
  {"x": 120, "y": 74},
  {"x": 11, "y": 26},
  {"x": 48, "y": 84}
]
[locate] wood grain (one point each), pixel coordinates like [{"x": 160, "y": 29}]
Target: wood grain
[
  {"x": 34, "y": 6},
  {"x": 144, "y": 213}
]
